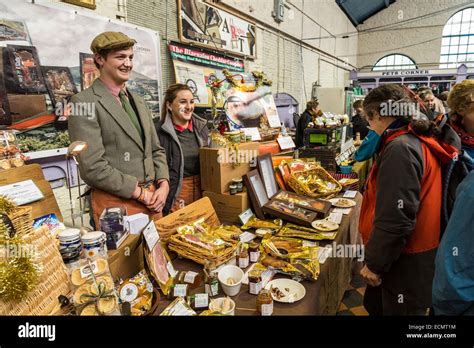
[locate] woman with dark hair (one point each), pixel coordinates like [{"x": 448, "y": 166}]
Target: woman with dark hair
[
  {"x": 181, "y": 134},
  {"x": 400, "y": 214},
  {"x": 453, "y": 283},
  {"x": 312, "y": 111}
]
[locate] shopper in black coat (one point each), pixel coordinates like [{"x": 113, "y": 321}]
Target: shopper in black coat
[{"x": 312, "y": 111}]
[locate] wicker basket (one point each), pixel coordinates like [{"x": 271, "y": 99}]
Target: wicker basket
[
  {"x": 200, "y": 255},
  {"x": 43, "y": 300},
  {"x": 303, "y": 189},
  {"x": 22, "y": 220}
]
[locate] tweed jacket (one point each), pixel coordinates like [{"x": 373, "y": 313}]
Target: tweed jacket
[{"x": 116, "y": 157}]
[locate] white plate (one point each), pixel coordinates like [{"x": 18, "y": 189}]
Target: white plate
[
  {"x": 295, "y": 292},
  {"x": 329, "y": 225},
  {"x": 335, "y": 202}
]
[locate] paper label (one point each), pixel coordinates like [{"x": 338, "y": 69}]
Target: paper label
[
  {"x": 129, "y": 292},
  {"x": 151, "y": 235},
  {"x": 247, "y": 237},
  {"x": 350, "y": 194},
  {"x": 171, "y": 270},
  {"x": 245, "y": 216},
  {"x": 254, "y": 288},
  {"x": 309, "y": 243},
  {"x": 180, "y": 290},
  {"x": 267, "y": 309},
  {"x": 201, "y": 300},
  {"x": 23, "y": 192},
  {"x": 335, "y": 217},
  {"x": 254, "y": 255},
  {"x": 87, "y": 270},
  {"x": 286, "y": 143},
  {"x": 190, "y": 276},
  {"x": 253, "y": 132},
  {"x": 243, "y": 262},
  {"x": 344, "y": 211}
]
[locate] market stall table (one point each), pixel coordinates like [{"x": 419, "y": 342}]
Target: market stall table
[{"x": 323, "y": 296}]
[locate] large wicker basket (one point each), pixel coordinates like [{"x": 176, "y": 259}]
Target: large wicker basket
[
  {"x": 43, "y": 300},
  {"x": 198, "y": 254},
  {"x": 312, "y": 190},
  {"x": 22, "y": 220}
]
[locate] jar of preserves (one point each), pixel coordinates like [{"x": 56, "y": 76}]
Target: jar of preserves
[
  {"x": 255, "y": 282},
  {"x": 211, "y": 282},
  {"x": 178, "y": 290},
  {"x": 243, "y": 258},
  {"x": 194, "y": 279},
  {"x": 254, "y": 252},
  {"x": 198, "y": 302},
  {"x": 70, "y": 245},
  {"x": 265, "y": 302}
]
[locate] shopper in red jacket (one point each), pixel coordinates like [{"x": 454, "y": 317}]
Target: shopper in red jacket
[{"x": 400, "y": 216}]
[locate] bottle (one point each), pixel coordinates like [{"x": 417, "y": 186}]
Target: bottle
[
  {"x": 211, "y": 285},
  {"x": 255, "y": 282},
  {"x": 265, "y": 303},
  {"x": 254, "y": 252},
  {"x": 194, "y": 279}
]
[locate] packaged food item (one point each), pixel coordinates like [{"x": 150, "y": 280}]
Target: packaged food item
[
  {"x": 179, "y": 307},
  {"x": 228, "y": 233},
  {"x": 254, "y": 251},
  {"x": 265, "y": 303},
  {"x": 211, "y": 285},
  {"x": 254, "y": 222},
  {"x": 198, "y": 302},
  {"x": 194, "y": 279},
  {"x": 93, "y": 288},
  {"x": 243, "y": 257},
  {"x": 255, "y": 282},
  {"x": 138, "y": 291},
  {"x": 160, "y": 266},
  {"x": 178, "y": 290}
]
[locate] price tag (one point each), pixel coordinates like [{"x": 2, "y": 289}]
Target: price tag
[
  {"x": 151, "y": 235},
  {"x": 335, "y": 217},
  {"x": 247, "y": 237},
  {"x": 344, "y": 211},
  {"x": 171, "y": 270},
  {"x": 350, "y": 194},
  {"x": 286, "y": 143}
]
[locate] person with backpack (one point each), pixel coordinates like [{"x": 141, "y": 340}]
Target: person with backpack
[
  {"x": 453, "y": 283},
  {"x": 401, "y": 210}
]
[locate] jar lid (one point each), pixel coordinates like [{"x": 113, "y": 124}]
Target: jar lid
[
  {"x": 237, "y": 180},
  {"x": 69, "y": 234},
  {"x": 93, "y": 237}
]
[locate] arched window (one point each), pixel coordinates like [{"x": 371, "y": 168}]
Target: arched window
[
  {"x": 394, "y": 62},
  {"x": 457, "y": 46}
]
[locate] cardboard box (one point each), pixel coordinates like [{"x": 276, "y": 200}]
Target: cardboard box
[
  {"x": 218, "y": 166},
  {"x": 127, "y": 260},
  {"x": 228, "y": 207}
]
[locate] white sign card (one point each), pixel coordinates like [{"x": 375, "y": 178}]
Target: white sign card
[
  {"x": 22, "y": 192},
  {"x": 252, "y": 132},
  {"x": 151, "y": 235},
  {"x": 286, "y": 143}
]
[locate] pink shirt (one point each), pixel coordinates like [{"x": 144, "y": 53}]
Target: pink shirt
[{"x": 115, "y": 90}]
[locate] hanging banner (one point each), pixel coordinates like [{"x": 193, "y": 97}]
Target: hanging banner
[
  {"x": 208, "y": 26},
  {"x": 196, "y": 68},
  {"x": 53, "y": 57}
]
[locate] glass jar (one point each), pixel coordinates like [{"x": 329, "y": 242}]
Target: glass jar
[
  {"x": 194, "y": 279},
  {"x": 178, "y": 290},
  {"x": 265, "y": 303},
  {"x": 198, "y": 302},
  {"x": 233, "y": 189},
  {"x": 254, "y": 252},
  {"x": 70, "y": 245},
  {"x": 95, "y": 244},
  {"x": 243, "y": 258},
  {"x": 238, "y": 183},
  {"x": 255, "y": 282}
]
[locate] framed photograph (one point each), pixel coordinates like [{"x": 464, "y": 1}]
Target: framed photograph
[
  {"x": 59, "y": 82},
  {"x": 256, "y": 189},
  {"x": 321, "y": 207},
  {"x": 89, "y": 71},
  {"x": 13, "y": 32},
  {"x": 23, "y": 74},
  {"x": 265, "y": 166},
  {"x": 290, "y": 212},
  {"x": 83, "y": 3}
]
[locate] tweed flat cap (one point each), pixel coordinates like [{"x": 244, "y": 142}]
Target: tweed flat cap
[{"x": 111, "y": 40}]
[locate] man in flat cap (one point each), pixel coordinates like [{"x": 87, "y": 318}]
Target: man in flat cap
[{"x": 124, "y": 163}]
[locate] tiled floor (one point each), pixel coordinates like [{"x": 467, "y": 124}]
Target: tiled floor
[{"x": 353, "y": 301}]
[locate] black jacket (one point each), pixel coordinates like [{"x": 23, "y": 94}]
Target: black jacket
[
  {"x": 174, "y": 154},
  {"x": 359, "y": 125},
  {"x": 303, "y": 122}
]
